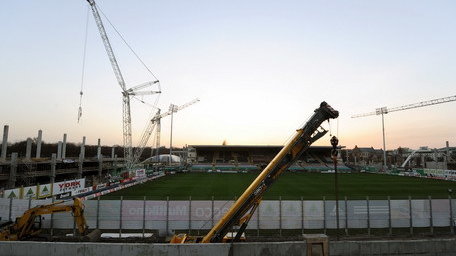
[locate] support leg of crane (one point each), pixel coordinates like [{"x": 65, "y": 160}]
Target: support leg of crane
[{"x": 239, "y": 233}]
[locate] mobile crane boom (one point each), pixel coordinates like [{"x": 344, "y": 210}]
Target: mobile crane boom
[{"x": 242, "y": 210}]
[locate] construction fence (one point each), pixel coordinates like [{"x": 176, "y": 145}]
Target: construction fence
[{"x": 169, "y": 215}]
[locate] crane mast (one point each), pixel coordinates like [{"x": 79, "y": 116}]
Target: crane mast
[
  {"x": 126, "y": 115},
  {"x": 157, "y": 139}
]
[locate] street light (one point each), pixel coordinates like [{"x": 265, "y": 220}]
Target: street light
[
  {"x": 173, "y": 108},
  {"x": 383, "y": 111},
  {"x": 334, "y": 142}
]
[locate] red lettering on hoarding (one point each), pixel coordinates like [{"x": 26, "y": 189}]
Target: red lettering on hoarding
[{"x": 69, "y": 184}]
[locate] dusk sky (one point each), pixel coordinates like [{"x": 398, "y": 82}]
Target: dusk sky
[{"x": 260, "y": 68}]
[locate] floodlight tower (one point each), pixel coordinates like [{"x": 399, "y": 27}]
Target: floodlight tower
[
  {"x": 384, "y": 110},
  {"x": 173, "y": 109}
]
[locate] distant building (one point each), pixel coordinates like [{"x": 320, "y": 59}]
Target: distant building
[
  {"x": 165, "y": 158},
  {"x": 366, "y": 156}
]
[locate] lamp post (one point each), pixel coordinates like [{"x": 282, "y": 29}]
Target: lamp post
[
  {"x": 334, "y": 142},
  {"x": 383, "y": 111},
  {"x": 173, "y": 109}
]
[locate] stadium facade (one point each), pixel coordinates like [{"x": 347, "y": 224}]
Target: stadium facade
[{"x": 246, "y": 157}]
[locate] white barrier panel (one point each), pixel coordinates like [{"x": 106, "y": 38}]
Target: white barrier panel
[
  {"x": 4, "y": 209},
  {"x": 378, "y": 213},
  {"x": 420, "y": 213},
  {"x": 90, "y": 212},
  {"x": 287, "y": 214},
  {"x": 46, "y": 219},
  {"x": 63, "y": 219},
  {"x": 109, "y": 214},
  {"x": 19, "y": 207},
  {"x": 400, "y": 213},
  {"x": 313, "y": 214},
  {"x": 269, "y": 214},
  {"x": 440, "y": 212},
  {"x": 156, "y": 215},
  {"x": 291, "y": 214},
  {"x": 132, "y": 214},
  {"x": 201, "y": 215},
  {"x": 330, "y": 214}
]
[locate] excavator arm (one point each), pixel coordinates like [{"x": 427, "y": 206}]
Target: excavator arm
[
  {"x": 242, "y": 210},
  {"x": 24, "y": 225}
]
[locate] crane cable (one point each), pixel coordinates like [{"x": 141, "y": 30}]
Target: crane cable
[
  {"x": 128, "y": 45},
  {"x": 154, "y": 106},
  {"x": 337, "y": 128},
  {"x": 83, "y": 65}
]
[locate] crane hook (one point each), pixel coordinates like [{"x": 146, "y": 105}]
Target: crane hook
[{"x": 334, "y": 142}]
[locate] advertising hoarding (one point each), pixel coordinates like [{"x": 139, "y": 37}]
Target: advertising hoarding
[{"x": 68, "y": 186}]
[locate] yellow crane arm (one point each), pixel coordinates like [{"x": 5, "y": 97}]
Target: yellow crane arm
[{"x": 242, "y": 210}]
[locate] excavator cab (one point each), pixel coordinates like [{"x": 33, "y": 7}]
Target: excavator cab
[{"x": 37, "y": 223}]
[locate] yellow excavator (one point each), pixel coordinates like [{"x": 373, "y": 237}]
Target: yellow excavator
[
  {"x": 29, "y": 224},
  {"x": 242, "y": 210}
]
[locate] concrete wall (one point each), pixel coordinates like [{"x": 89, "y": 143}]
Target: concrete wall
[
  {"x": 394, "y": 247},
  {"x": 269, "y": 249},
  {"x": 109, "y": 249}
]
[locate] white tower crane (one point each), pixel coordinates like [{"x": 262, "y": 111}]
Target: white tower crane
[
  {"x": 156, "y": 122},
  {"x": 126, "y": 93},
  {"x": 384, "y": 110}
]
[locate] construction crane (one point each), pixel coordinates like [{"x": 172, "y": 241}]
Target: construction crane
[
  {"x": 385, "y": 110},
  {"x": 126, "y": 93},
  {"x": 245, "y": 206},
  {"x": 156, "y": 122}
]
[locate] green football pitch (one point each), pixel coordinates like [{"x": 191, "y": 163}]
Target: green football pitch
[{"x": 290, "y": 186}]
